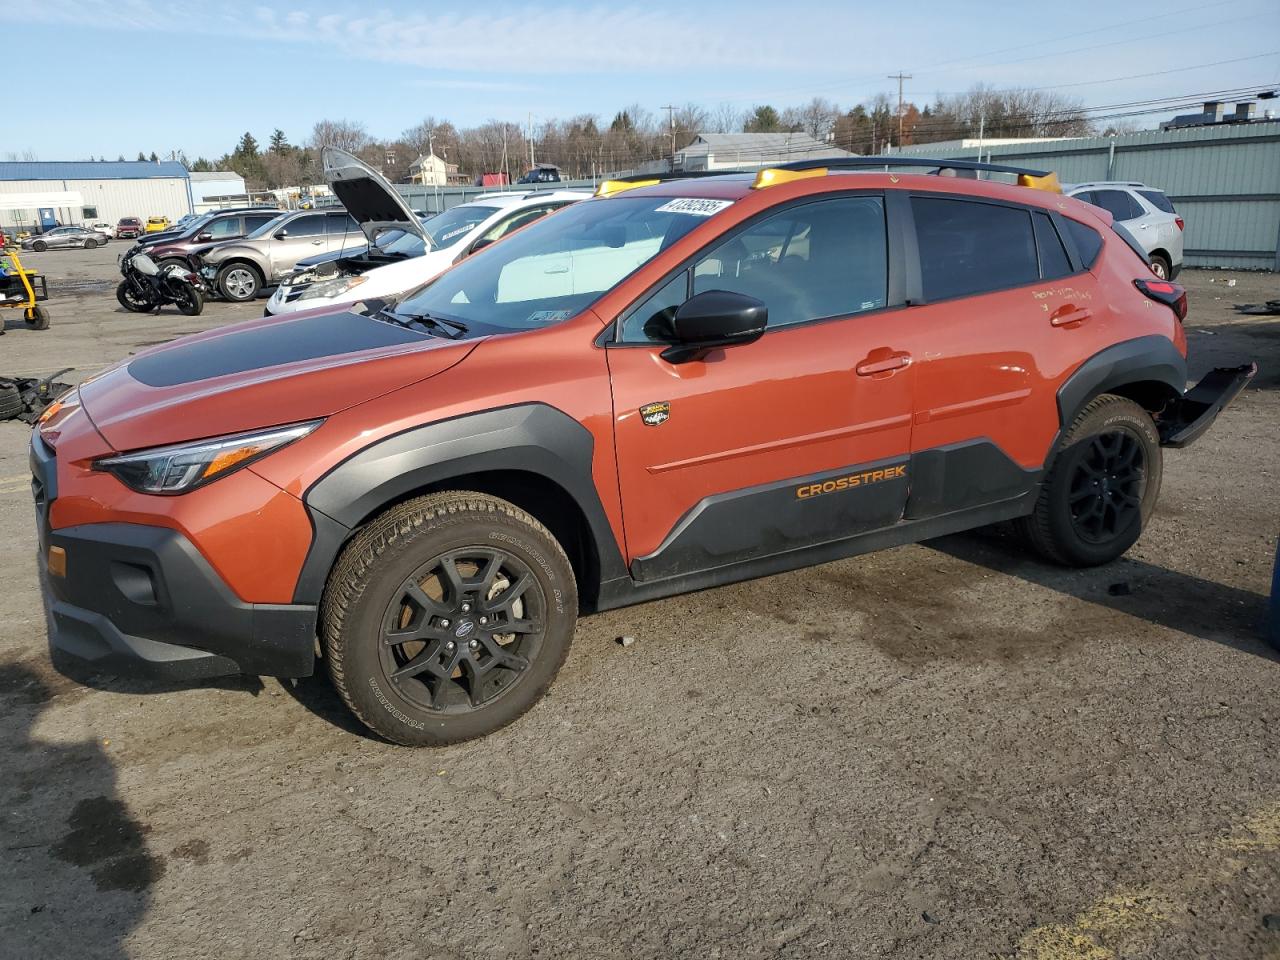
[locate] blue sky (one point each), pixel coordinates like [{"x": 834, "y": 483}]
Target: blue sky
[{"x": 169, "y": 74}]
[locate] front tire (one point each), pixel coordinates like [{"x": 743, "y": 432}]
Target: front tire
[
  {"x": 91, "y": 244},
  {"x": 239, "y": 282},
  {"x": 131, "y": 301},
  {"x": 447, "y": 617},
  {"x": 1101, "y": 488},
  {"x": 39, "y": 246}
]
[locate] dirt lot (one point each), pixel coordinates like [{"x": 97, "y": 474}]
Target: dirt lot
[{"x": 945, "y": 750}]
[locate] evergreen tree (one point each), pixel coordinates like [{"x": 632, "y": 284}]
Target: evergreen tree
[
  {"x": 279, "y": 142},
  {"x": 153, "y": 158},
  {"x": 142, "y": 156}
]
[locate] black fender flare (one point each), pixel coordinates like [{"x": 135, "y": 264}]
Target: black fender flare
[
  {"x": 1150, "y": 359},
  {"x": 530, "y": 438}
]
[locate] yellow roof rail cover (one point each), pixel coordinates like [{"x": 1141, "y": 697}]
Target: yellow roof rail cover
[
  {"x": 772, "y": 176},
  {"x": 608, "y": 188},
  {"x": 1048, "y": 182}
]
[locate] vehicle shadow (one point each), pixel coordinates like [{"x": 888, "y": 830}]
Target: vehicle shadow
[
  {"x": 1169, "y": 598},
  {"x": 77, "y": 873}
]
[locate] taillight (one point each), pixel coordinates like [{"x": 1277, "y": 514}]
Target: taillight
[
  {"x": 1182, "y": 225},
  {"x": 1172, "y": 295}
]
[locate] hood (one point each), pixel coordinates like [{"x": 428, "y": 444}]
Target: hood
[
  {"x": 367, "y": 195},
  {"x": 259, "y": 374}
]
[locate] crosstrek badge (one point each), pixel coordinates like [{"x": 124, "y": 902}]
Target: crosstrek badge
[
  {"x": 655, "y": 414},
  {"x": 848, "y": 482},
  {"x": 697, "y": 206}
]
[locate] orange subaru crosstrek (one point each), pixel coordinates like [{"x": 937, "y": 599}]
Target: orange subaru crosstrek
[{"x": 675, "y": 385}]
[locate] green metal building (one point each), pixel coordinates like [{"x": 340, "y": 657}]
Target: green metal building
[{"x": 1224, "y": 180}]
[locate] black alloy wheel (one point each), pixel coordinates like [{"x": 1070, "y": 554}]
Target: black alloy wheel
[
  {"x": 463, "y": 629},
  {"x": 1107, "y": 486}
]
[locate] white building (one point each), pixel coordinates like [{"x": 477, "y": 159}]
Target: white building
[
  {"x": 215, "y": 189},
  {"x": 431, "y": 171},
  {"x": 734, "y": 151},
  {"x": 108, "y": 189}
]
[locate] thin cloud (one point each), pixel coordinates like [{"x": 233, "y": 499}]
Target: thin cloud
[{"x": 554, "y": 39}]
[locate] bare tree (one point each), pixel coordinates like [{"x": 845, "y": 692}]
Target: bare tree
[
  {"x": 349, "y": 135},
  {"x": 726, "y": 118}
]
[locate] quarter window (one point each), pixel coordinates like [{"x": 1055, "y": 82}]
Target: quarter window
[
  {"x": 1088, "y": 242},
  {"x": 1054, "y": 262},
  {"x": 1158, "y": 200},
  {"x": 968, "y": 248}
]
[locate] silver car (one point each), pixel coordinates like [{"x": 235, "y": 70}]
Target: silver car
[
  {"x": 1146, "y": 213},
  {"x": 65, "y": 237}
]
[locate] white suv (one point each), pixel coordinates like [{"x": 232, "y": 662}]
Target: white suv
[
  {"x": 1146, "y": 213},
  {"x": 417, "y": 252}
]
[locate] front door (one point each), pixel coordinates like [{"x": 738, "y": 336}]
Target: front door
[{"x": 799, "y": 438}]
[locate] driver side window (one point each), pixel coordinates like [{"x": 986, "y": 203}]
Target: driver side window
[{"x": 817, "y": 260}]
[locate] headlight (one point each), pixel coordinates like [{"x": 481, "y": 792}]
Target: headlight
[
  {"x": 185, "y": 466},
  {"x": 331, "y": 288}
]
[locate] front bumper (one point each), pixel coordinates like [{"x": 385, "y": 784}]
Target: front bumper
[
  {"x": 1195, "y": 411},
  {"x": 139, "y": 599}
]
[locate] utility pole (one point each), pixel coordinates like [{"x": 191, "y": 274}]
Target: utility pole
[
  {"x": 900, "y": 77},
  {"x": 529, "y": 134},
  {"x": 671, "y": 126}
]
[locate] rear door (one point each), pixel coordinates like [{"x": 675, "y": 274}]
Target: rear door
[
  {"x": 303, "y": 237},
  {"x": 797, "y": 439},
  {"x": 1005, "y": 309}
]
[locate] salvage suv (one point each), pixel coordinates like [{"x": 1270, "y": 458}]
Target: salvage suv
[{"x": 674, "y": 385}]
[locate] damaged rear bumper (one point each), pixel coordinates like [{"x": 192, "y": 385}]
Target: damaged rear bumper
[{"x": 1194, "y": 412}]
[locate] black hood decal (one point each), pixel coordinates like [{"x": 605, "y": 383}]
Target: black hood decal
[{"x": 270, "y": 345}]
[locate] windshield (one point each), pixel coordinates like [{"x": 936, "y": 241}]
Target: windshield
[
  {"x": 557, "y": 267},
  {"x": 269, "y": 227},
  {"x": 450, "y": 227}
]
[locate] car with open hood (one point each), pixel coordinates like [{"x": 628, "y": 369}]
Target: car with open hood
[
  {"x": 240, "y": 269},
  {"x": 420, "y": 250},
  {"x": 674, "y": 385}
]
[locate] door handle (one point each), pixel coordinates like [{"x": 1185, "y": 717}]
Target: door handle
[
  {"x": 895, "y": 361},
  {"x": 1066, "y": 316},
  {"x": 316, "y": 243}
]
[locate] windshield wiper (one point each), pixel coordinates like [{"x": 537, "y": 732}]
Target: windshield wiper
[{"x": 453, "y": 329}]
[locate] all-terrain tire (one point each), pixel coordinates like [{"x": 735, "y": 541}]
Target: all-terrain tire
[
  {"x": 390, "y": 551},
  {"x": 1054, "y": 529},
  {"x": 10, "y": 403}
]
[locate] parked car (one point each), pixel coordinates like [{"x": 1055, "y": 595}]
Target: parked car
[
  {"x": 241, "y": 268},
  {"x": 204, "y": 231},
  {"x": 419, "y": 252},
  {"x": 129, "y": 228},
  {"x": 543, "y": 173},
  {"x": 1146, "y": 213},
  {"x": 101, "y": 226},
  {"x": 661, "y": 389},
  {"x": 157, "y": 224},
  {"x": 60, "y": 237}
]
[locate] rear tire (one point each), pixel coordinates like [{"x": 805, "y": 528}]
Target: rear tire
[
  {"x": 239, "y": 282},
  {"x": 1101, "y": 488},
  {"x": 190, "y": 302},
  {"x": 447, "y": 572},
  {"x": 1161, "y": 266}
]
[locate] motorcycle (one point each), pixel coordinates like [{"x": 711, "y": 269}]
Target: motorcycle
[{"x": 147, "y": 287}]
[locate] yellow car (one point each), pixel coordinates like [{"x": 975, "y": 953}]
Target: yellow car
[{"x": 157, "y": 224}]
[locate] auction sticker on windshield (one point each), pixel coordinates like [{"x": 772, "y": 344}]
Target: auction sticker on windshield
[{"x": 697, "y": 206}]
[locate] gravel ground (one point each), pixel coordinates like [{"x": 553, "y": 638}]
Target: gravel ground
[{"x": 945, "y": 750}]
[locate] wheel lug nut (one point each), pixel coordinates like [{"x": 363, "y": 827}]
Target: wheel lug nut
[
  {"x": 450, "y": 645},
  {"x": 444, "y": 623},
  {"x": 466, "y": 608},
  {"x": 474, "y": 644},
  {"x": 483, "y": 621}
]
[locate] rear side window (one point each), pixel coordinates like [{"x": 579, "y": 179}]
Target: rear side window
[
  {"x": 1088, "y": 242},
  {"x": 1054, "y": 262},
  {"x": 255, "y": 220},
  {"x": 968, "y": 248},
  {"x": 1158, "y": 200},
  {"x": 1119, "y": 204}
]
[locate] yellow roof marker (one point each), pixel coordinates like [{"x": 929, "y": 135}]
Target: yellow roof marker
[
  {"x": 772, "y": 176},
  {"x": 1048, "y": 182},
  {"x": 608, "y": 188}
]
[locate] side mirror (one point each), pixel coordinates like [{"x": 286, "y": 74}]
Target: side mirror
[
  {"x": 715, "y": 319},
  {"x": 281, "y": 233},
  {"x": 204, "y": 237}
]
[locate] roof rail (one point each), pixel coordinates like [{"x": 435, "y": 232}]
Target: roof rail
[
  {"x": 612, "y": 185},
  {"x": 874, "y": 163}
]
